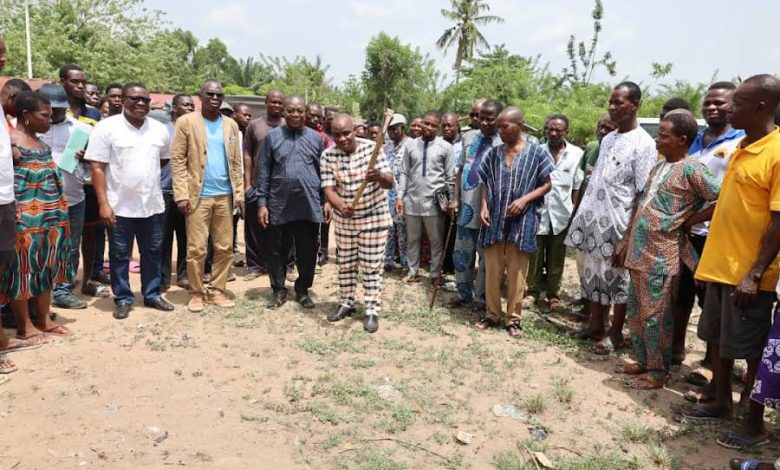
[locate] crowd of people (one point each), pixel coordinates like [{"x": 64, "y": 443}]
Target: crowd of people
[{"x": 655, "y": 223}]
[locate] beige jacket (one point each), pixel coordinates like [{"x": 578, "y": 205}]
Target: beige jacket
[{"x": 188, "y": 158}]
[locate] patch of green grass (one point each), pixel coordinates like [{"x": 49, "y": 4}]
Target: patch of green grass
[
  {"x": 509, "y": 460},
  {"x": 325, "y": 413},
  {"x": 155, "y": 345},
  {"x": 562, "y": 390},
  {"x": 402, "y": 417},
  {"x": 661, "y": 456},
  {"x": 611, "y": 460},
  {"x": 347, "y": 344},
  {"x": 637, "y": 433},
  {"x": 243, "y": 315},
  {"x": 314, "y": 346},
  {"x": 359, "y": 363},
  {"x": 371, "y": 459},
  {"x": 332, "y": 441},
  {"x": 536, "y": 404},
  {"x": 391, "y": 344},
  {"x": 441, "y": 438},
  {"x": 421, "y": 318},
  {"x": 537, "y": 329}
]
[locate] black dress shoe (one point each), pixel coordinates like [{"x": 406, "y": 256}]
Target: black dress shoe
[
  {"x": 305, "y": 301},
  {"x": 277, "y": 300},
  {"x": 121, "y": 311},
  {"x": 371, "y": 323},
  {"x": 159, "y": 304},
  {"x": 341, "y": 313}
]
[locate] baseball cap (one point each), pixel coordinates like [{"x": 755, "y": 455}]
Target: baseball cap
[
  {"x": 55, "y": 94},
  {"x": 397, "y": 119}
]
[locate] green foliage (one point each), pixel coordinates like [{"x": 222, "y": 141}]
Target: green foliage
[
  {"x": 300, "y": 76},
  {"x": 398, "y": 77},
  {"x": 582, "y": 59},
  {"x": 113, "y": 40},
  {"x": 522, "y": 81},
  {"x": 467, "y": 16}
]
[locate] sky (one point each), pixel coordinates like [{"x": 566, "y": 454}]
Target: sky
[{"x": 702, "y": 39}]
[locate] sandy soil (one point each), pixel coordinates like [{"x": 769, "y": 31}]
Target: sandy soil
[{"x": 252, "y": 388}]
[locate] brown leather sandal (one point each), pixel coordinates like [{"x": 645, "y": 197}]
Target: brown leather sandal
[{"x": 514, "y": 328}]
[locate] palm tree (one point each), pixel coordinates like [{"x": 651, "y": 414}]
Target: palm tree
[{"x": 467, "y": 16}]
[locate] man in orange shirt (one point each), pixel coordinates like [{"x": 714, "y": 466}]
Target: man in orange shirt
[{"x": 739, "y": 261}]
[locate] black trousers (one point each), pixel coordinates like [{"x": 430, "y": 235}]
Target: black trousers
[
  {"x": 256, "y": 240},
  {"x": 324, "y": 239},
  {"x": 302, "y": 237},
  {"x": 173, "y": 224}
]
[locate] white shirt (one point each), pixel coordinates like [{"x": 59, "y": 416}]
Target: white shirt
[
  {"x": 716, "y": 158},
  {"x": 7, "y": 195},
  {"x": 57, "y": 138},
  {"x": 133, "y": 157},
  {"x": 567, "y": 177}
]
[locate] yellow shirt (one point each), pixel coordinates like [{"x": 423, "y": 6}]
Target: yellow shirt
[{"x": 750, "y": 191}]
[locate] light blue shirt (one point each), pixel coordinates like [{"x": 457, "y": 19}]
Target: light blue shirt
[{"x": 216, "y": 180}]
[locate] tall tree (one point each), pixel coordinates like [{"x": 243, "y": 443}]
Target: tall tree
[
  {"x": 113, "y": 40},
  {"x": 582, "y": 59},
  {"x": 396, "y": 76},
  {"x": 467, "y": 15}
]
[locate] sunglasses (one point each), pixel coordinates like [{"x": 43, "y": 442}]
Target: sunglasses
[
  {"x": 139, "y": 99},
  {"x": 212, "y": 94}
]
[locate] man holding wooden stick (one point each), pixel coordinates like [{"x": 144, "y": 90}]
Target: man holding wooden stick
[{"x": 355, "y": 176}]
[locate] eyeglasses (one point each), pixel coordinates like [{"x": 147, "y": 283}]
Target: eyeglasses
[
  {"x": 212, "y": 94},
  {"x": 139, "y": 99}
]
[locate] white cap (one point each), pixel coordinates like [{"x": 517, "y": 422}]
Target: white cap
[{"x": 397, "y": 119}]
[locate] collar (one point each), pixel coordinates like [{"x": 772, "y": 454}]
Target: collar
[
  {"x": 295, "y": 132},
  {"x": 127, "y": 123},
  {"x": 759, "y": 145},
  {"x": 697, "y": 145}
]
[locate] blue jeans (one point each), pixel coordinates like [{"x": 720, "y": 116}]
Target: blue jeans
[
  {"x": 396, "y": 237},
  {"x": 471, "y": 282},
  {"x": 149, "y": 234},
  {"x": 76, "y": 216}
]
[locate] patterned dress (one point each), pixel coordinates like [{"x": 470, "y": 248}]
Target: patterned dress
[
  {"x": 624, "y": 163},
  {"x": 657, "y": 246},
  {"x": 42, "y": 231},
  {"x": 766, "y": 388}
]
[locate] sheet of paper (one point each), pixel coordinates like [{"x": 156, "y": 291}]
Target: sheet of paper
[{"x": 77, "y": 142}]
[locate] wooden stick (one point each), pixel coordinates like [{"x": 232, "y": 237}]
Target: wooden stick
[{"x": 380, "y": 140}]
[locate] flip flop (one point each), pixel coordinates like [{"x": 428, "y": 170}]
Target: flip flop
[
  {"x": 746, "y": 464},
  {"x": 736, "y": 442},
  {"x": 631, "y": 369},
  {"x": 39, "y": 339},
  {"x": 700, "y": 416},
  {"x": 698, "y": 377},
  {"x": 6, "y": 365},
  {"x": 22, "y": 345},
  {"x": 695, "y": 396},
  {"x": 646, "y": 382},
  {"x": 603, "y": 347},
  {"x": 554, "y": 304},
  {"x": 58, "y": 330}
]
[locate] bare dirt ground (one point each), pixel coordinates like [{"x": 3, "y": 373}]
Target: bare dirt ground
[{"x": 250, "y": 388}]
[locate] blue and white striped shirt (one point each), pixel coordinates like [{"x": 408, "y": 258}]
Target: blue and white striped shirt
[{"x": 504, "y": 185}]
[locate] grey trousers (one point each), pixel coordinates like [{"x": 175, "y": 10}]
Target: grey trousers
[{"x": 434, "y": 228}]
